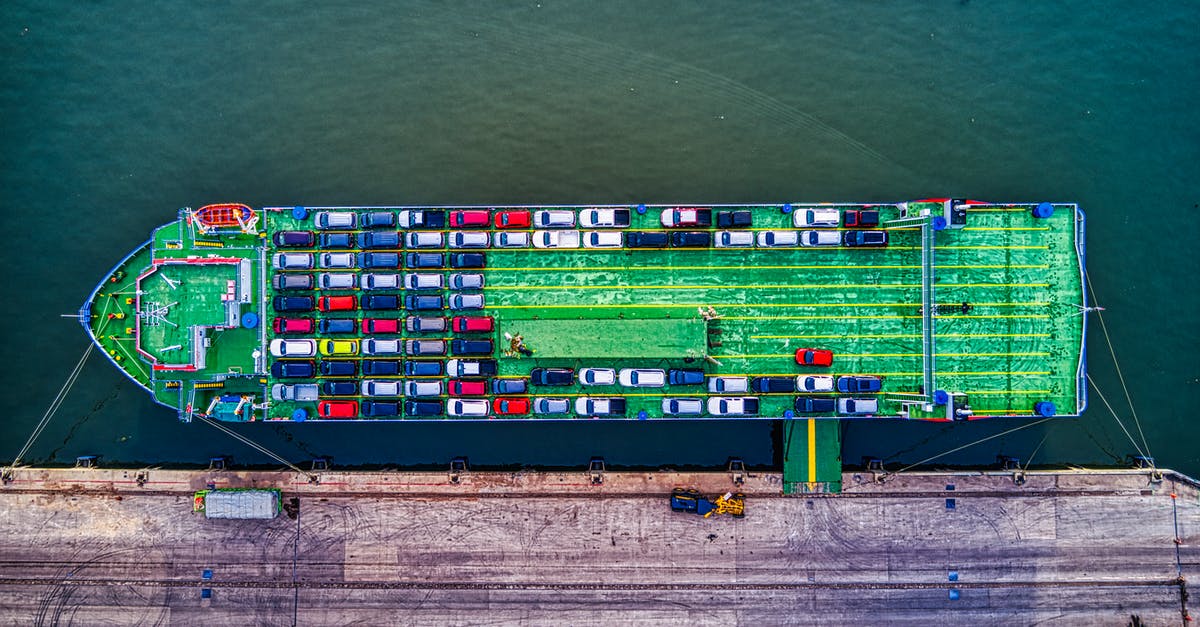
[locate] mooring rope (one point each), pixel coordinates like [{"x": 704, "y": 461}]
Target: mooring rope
[
  {"x": 1115, "y": 417},
  {"x": 54, "y": 404},
  {"x": 970, "y": 444},
  {"x": 255, "y": 445},
  {"x": 1120, "y": 376}
]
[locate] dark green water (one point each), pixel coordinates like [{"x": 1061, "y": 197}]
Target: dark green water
[{"x": 113, "y": 118}]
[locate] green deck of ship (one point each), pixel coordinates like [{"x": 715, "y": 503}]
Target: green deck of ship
[{"x": 1017, "y": 342}]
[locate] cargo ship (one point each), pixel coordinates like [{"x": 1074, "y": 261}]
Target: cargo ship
[{"x": 939, "y": 309}]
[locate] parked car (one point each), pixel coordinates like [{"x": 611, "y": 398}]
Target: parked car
[
  {"x": 597, "y": 376},
  {"x": 509, "y": 386},
  {"x": 859, "y": 384},
  {"x": 421, "y": 219},
  {"x": 381, "y": 367},
  {"x": 682, "y": 406},
  {"x": 423, "y": 260},
  {"x": 553, "y": 219},
  {"x": 512, "y": 219},
  {"x": 733, "y": 219},
  {"x": 858, "y": 406},
  {"x": 293, "y": 369},
  {"x": 588, "y": 406},
  {"x": 466, "y": 281},
  {"x": 602, "y": 239},
  {"x": 293, "y": 348},
  {"x": 379, "y": 239},
  {"x": 814, "y": 357},
  {"x": 337, "y": 409},
  {"x": 779, "y": 239},
  {"x": 336, "y": 280},
  {"x": 642, "y": 378},
  {"x": 422, "y": 388},
  {"x": 467, "y": 387},
  {"x": 735, "y": 239},
  {"x": 377, "y": 219},
  {"x": 814, "y": 383},
  {"x": 466, "y": 301},
  {"x": 510, "y": 406},
  {"x": 551, "y": 376},
  {"x": 471, "y": 347},
  {"x": 556, "y": 239},
  {"x": 691, "y": 239},
  {"x": 817, "y": 216},
  {"x": 295, "y": 392},
  {"x": 336, "y": 260},
  {"x": 685, "y": 377},
  {"x": 294, "y": 303},
  {"x": 469, "y": 239},
  {"x": 612, "y": 218},
  {"x": 815, "y": 405},
  {"x": 469, "y": 217},
  {"x": 334, "y": 220},
  {"x": 865, "y": 238},
  {"x": 422, "y": 408},
  {"x": 377, "y": 409},
  {"x": 820, "y": 238},
  {"x": 767, "y": 385},
  {"x": 376, "y": 346},
  {"x": 336, "y": 325},
  {"x": 862, "y": 218},
  {"x": 425, "y": 324},
  {"x": 467, "y": 260},
  {"x": 517, "y": 239},
  {"x": 336, "y": 303},
  {"x": 424, "y": 239},
  {"x": 338, "y": 348},
  {"x": 728, "y": 385},
  {"x": 686, "y": 216},
  {"x": 482, "y": 324},
  {"x": 375, "y": 281},
  {"x": 332, "y": 368},
  {"x": 419, "y": 348},
  {"x": 372, "y": 261},
  {"x": 415, "y": 302},
  {"x": 463, "y": 407},
  {"x": 466, "y": 368},
  {"x": 544, "y": 406},
  {"x": 416, "y": 368},
  {"x": 374, "y": 326},
  {"x": 646, "y": 239},
  {"x": 294, "y": 239},
  {"x": 381, "y": 387},
  {"x": 377, "y": 302},
  {"x": 733, "y": 406},
  {"x": 293, "y": 261},
  {"x": 339, "y": 388},
  {"x": 336, "y": 240},
  {"x": 293, "y": 325}
]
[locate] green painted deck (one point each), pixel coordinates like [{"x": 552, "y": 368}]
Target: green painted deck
[{"x": 1004, "y": 330}]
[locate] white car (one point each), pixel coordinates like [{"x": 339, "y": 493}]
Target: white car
[
  {"x": 814, "y": 383},
  {"x": 553, "y": 219},
  {"x": 376, "y": 387},
  {"x": 464, "y": 407},
  {"x": 816, "y": 217},
  {"x": 728, "y": 385},
  {"x": 469, "y": 239},
  {"x": 586, "y": 406},
  {"x": 424, "y": 239},
  {"x": 381, "y": 282},
  {"x": 642, "y": 378},
  {"x": 556, "y": 239},
  {"x": 515, "y": 239},
  {"x": 466, "y": 281},
  {"x": 418, "y": 389},
  {"x": 374, "y": 346},
  {"x": 299, "y": 392},
  {"x": 543, "y": 405},
  {"x": 334, "y": 220},
  {"x": 293, "y": 348},
  {"x": 602, "y": 239},
  {"x": 858, "y": 406},
  {"x": 682, "y": 407},
  {"x": 820, "y": 238},
  {"x": 464, "y": 368},
  {"x": 290, "y": 261},
  {"x": 732, "y": 406},
  {"x": 337, "y": 260},
  {"x": 466, "y": 301},
  {"x": 597, "y": 376},
  {"x": 773, "y": 239},
  {"x": 336, "y": 280},
  {"x": 734, "y": 239},
  {"x": 423, "y": 281},
  {"x": 592, "y": 218}
]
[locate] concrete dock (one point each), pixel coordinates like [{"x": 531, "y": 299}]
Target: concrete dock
[{"x": 103, "y": 546}]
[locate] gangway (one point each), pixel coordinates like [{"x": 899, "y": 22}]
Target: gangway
[{"x": 924, "y": 220}]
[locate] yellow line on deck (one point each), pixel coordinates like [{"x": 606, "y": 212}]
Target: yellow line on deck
[
  {"x": 811, "y": 286},
  {"x": 812, "y": 450},
  {"x": 791, "y": 355},
  {"x": 995, "y": 266},
  {"x": 892, "y": 335},
  {"x": 1006, "y": 228},
  {"x": 980, "y": 392}
]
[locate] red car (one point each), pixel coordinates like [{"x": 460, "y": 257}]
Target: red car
[
  {"x": 294, "y": 325},
  {"x": 467, "y": 388},
  {"x": 464, "y": 324},
  {"x": 858, "y": 218},
  {"x": 511, "y": 406},
  {"x": 380, "y": 325},
  {"x": 512, "y": 219},
  {"x": 336, "y": 303},
  {"x": 814, "y": 357},
  {"x": 469, "y": 218},
  {"x": 337, "y": 409}
]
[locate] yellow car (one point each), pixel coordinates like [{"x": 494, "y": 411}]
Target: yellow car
[{"x": 333, "y": 348}]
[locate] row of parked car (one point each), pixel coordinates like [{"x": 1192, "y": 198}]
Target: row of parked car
[
  {"x": 377, "y": 281},
  {"x": 516, "y": 218},
  {"x": 376, "y": 260},
  {"x": 378, "y": 302}
]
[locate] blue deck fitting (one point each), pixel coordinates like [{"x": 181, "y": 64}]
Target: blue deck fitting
[
  {"x": 300, "y": 213},
  {"x": 1043, "y": 210},
  {"x": 787, "y": 208},
  {"x": 1045, "y": 409}
]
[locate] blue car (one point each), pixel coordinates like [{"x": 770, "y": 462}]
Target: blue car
[
  {"x": 423, "y": 368},
  {"x": 337, "y": 325},
  {"x": 685, "y": 377},
  {"x": 856, "y": 384},
  {"x": 422, "y": 408},
  {"x": 336, "y": 240},
  {"x": 508, "y": 386},
  {"x": 413, "y": 302},
  {"x": 378, "y": 408},
  {"x": 380, "y": 367}
]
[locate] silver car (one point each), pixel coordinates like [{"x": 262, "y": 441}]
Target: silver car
[
  {"x": 423, "y": 281},
  {"x": 728, "y": 385},
  {"x": 337, "y": 260},
  {"x": 334, "y": 220},
  {"x": 290, "y": 261},
  {"x": 336, "y": 280},
  {"x": 682, "y": 407},
  {"x": 774, "y": 239},
  {"x": 820, "y": 238},
  {"x": 734, "y": 239},
  {"x": 299, "y": 392},
  {"x": 469, "y": 239},
  {"x": 381, "y": 282},
  {"x": 824, "y": 216},
  {"x": 424, "y": 239},
  {"x": 466, "y": 281},
  {"x": 422, "y": 388},
  {"x": 516, "y": 239},
  {"x": 551, "y": 405},
  {"x": 466, "y": 301},
  {"x": 375, "y": 387},
  {"x": 858, "y": 406},
  {"x": 554, "y": 219}
]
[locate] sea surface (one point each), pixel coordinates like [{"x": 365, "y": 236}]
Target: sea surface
[{"x": 115, "y": 114}]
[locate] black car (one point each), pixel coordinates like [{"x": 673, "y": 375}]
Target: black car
[
  {"x": 468, "y": 260},
  {"x": 336, "y": 240},
  {"x": 733, "y": 219},
  {"x": 815, "y": 405},
  {"x": 371, "y": 261},
  {"x": 422, "y": 408},
  {"x": 379, "y": 408},
  {"x": 426, "y": 219},
  {"x": 294, "y": 303},
  {"x": 379, "y": 239},
  {"x": 294, "y": 239},
  {"x": 552, "y": 376},
  {"x": 377, "y": 219},
  {"x": 293, "y": 369},
  {"x": 339, "y": 388},
  {"x": 423, "y": 368},
  {"x": 691, "y": 239},
  {"x": 380, "y": 301},
  {"x": 471, "y": 347},
  {"x": 380, "y": 367},
  {"x": 773, "y": 384},
  {"x": 425, "y": 260},
  {"x": 339, "y": 368},
  {"x": 865, "y": 238},
  {"x": 292, "y": 281},
  {"x": 508, "y": 386},
  {"x": 337, "y": 325},
  {"x": 643, "y": 239}
]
